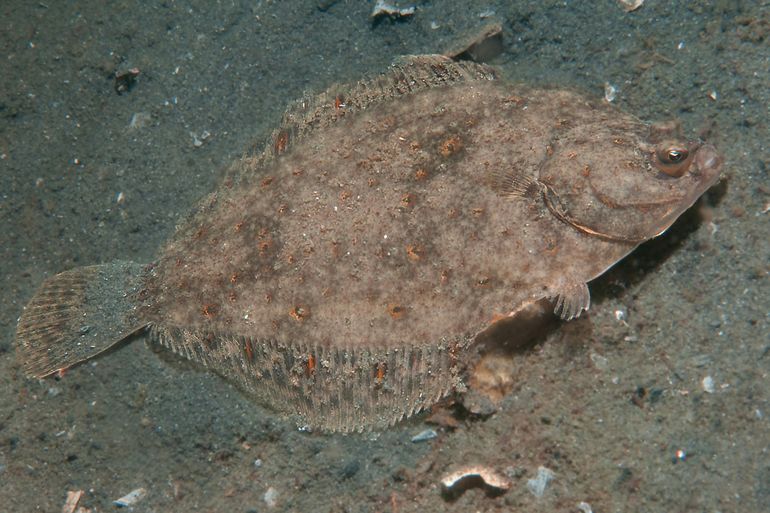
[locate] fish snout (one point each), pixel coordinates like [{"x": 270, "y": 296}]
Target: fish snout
[{"x": 708, "y": 162}]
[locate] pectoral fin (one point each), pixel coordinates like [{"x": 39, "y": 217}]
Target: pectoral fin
[{"x": 571, "y": 301}]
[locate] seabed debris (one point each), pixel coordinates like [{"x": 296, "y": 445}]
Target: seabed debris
[
  {"x": 382, "y": 8},
  {"x": 131, "y": 498},
  {"x": 475, "y": 475},
  {"x": 540, "y": 481}
]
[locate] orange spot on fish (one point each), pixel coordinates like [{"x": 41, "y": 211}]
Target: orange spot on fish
[
  {"x": 396, "y": 311},
  {"x": 299, "y": 312},
  {"x": 380, "y": 372},
  {"x": 209, "y": 310},
  {"x": 310, "y": 365},
  {"x": 450, "y": 146},
  {"x": 414, "y": 252},
  {"x": 248, "y": 350},
  {"x": 281, "y": 142}
]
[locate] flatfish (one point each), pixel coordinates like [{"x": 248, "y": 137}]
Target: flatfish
[{"x": 340, "y": 274}]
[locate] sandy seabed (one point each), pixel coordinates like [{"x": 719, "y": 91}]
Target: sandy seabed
[{"x": 658, "y": 401}]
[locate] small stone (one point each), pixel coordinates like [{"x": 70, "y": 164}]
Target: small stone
[
  {"x": 610, "y": 91},
  {"x": 599, "y": 361},
  {"x": 383, "y": 8},
  {"x": 424, "y": 436},
  {"x": 139, "y": 120},
  {"x": 708, "y": 384},
  {"x": 73, "y": 498},
  {"x": 631, "y": 5},
  {"x": 538, "y": 484},
  {"x": 131, "y": 498},
  {"x": 198, "y": 140},
  {"x": 487, "y": 13},
  {"x": 271, "y": 497}
]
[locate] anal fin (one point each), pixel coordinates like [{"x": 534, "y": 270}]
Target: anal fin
[
  {"x": 572, "y": 300},
  {"x": 78, "y": 314}
]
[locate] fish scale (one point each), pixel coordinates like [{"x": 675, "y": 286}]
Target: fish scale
[{"x": 341, "y": 275}]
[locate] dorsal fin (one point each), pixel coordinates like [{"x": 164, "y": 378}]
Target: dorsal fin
[{"x": 408, "y": 75}]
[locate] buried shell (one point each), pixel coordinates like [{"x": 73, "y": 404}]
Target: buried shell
[
  {"x": 473, "y": 475},
  {"x": 341, "y": 275}
]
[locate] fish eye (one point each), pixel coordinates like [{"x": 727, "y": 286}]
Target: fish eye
[
  {"x": 672, "y": 160},
  {"x": 676, "y": 155}
]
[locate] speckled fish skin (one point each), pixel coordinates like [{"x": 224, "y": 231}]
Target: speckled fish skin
[{"x": 341, "y": 275}]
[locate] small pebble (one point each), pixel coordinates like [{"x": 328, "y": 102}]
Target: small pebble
[
  {"x": 140, "y": 120},
  {"x": 271, "y": 497},
  {"x": 423, "y": 436},
  {"x": 383, "y": 8},
  {"x": 708, "y": 384},
  {"x": 538, "y": 484},
  {"x": 631, "y": 5},
  {"x": 199, "y": 140},
  {"x": 131, "y": 498},
  {"x": 610, "y": 91},
  {"x": 599, "y": 361}
]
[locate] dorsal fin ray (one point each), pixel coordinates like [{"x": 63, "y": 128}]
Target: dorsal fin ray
[{"x": 407, "y": 75}]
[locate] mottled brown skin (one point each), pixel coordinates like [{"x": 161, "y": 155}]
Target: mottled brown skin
[
  {"x": 394, "y": 226},
  {"x": 342, "y": 274}
]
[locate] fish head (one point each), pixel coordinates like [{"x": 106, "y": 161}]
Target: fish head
[{"x": 624, "y": 184}]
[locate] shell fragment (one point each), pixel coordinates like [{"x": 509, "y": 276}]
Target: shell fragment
[{"x": 131, "y": 498}]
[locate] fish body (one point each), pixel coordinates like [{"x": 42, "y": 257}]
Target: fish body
[{"x": 341, "y": 274}]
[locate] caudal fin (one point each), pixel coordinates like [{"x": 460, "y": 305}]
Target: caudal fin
[{"x": 78, "y": 314}]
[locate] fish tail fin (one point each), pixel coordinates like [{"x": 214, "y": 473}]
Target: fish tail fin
[{"x": 77, "y": 315}]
